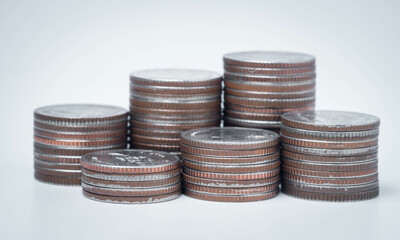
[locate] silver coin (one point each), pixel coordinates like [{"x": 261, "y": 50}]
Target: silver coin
[
  {"x": 152, "y": 88},
  {"x": 242, "y": 176},
  {"x": 330, "y": 152},
  {"x": 227, "y": 137},
  {"x": 173, "y": 121},
  {"x": 131, "y": 200},
  {"x": 209, "y": 115},
  {"x": 80, "y": 111},
  {"x": 328, "y": 144},
  {"x": 231, "y": 195},
  {"x": 274, "y": 78},
  {"x": 273, "y": 84},
  {"x": 56, "y": 158},
  {"x": 269, "y": 57},
  {"x": 91, "y": 188},
  {"x": 180, "y": 123},
  {"x": 252, "y": 123},
  {"x": 267, "y": 101},
  {"x": 67, "y": 148},
  {"x": 77, "y": 133},
  {"x": 373, "y": 161},
  {"x": 279, "y": 95},
  {"x": 175, "y": 98},
  {"x": 331, "y": 135},
  {"x": 331, "y": 120},
  {"x": 226, "y": 166},
  {"x": 129, "y": 178},
  {"x": 175, "y": 75},
  {"x": 58, "y": 171},
  {"x": 80, "y": 123},
  {"x": 54, "y": 165},
  {"x": 129, "y": 159},
  {"x": 330, "y": 188},
  {"x": 128, "y": 185}
]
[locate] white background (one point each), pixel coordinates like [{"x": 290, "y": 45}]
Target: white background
[{"x": 55, "y": 52}]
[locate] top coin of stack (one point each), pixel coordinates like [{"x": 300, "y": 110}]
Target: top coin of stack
[
  {"x": 165, "y": 102},
  {"x": 131, "y": 176},
  {"x": 63, "y": 133},
  {"x": 230, "y": 164},
  {"x": 330, "y": 155},
  {"x": 260, "y": 86}
]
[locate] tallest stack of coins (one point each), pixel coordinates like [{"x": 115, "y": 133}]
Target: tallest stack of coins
[
  {"x": 63, "y": 133},
  {"x": 165, "y": 102},
  {"x": 330, "y": 155},
  {"x": 261, "y": 86}
]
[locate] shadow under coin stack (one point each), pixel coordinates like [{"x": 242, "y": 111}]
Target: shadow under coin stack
[
  {"x": 165, "y": 102},
  {"x": 261, "y": 86},
  {"x": 63, "y": 133},
  {"x": 330, "y": 155},
  {"x": 230, "y": 164},
  {"x": 131, "y": 176}
]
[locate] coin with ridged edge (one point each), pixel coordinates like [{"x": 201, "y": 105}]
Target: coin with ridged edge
[
  {"x": 265, "y": 110},
  {"x": 331, "y": 152},
  {"x": 131, "y": 192},
  {"x": 328, "y": 136},
  {"x": 252, "y": 123},
  {"x": 231, "y": 176},
  {"x": 131, "y": 177},
  {"x": 175, "y": 77},
  {"x": 228, "y": 152},
  {"x": 269, "y": 78},
  {"x": 266, "y": 103},
  {"x": 132, "y": 200},
  {"x": 328, "y": 144},
  {"x": 237, "y": 161},
  {"x": 72, "y": 114},
  {"x": 130, "y": 161},
  {"x": 332, "y": 197},
  {"x": 328, "y": 159},
  {"x": 331, "y": 188},
  {"x": 126, "y": 184},
  {"x": 269, "y": 59},
  {"x": 330, "y": 180},
  {"x": 269, "y": 95},
  {"x": 226, "y": 168},
  {"x": 335, "y": 121},
  {"x": 225, "y": 183},
  {"x": 67, "y": 181},
  {"x": 230, "y": 138},
  {"x": 230, "y": 198},
  {"x": 230, "y": 191},
  {"x": 268, "y": 71},
  {"x": 270, "y": 86},
  {"x": 175, "y": 89},
  {"x": 338, "y": 167}
]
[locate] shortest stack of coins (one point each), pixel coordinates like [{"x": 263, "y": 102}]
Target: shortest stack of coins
[
  {"x": 230, "y": 164},
  {"x": 63, "y": 133},
  {"x": 131, "y": 176},
  {"x": 260, "y": 86},
  {"x": 165, "y": 102},
  {"x": 330, "y": 155}
]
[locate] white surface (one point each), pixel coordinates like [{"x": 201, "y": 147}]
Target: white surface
[{"x": 81, "y": 52}]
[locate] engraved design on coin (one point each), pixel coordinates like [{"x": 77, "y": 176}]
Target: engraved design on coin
[{"x": 80, "y": 111}]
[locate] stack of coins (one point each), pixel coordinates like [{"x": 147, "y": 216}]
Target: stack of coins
[
  {"x": 261, "y": 86},
  {"x": 165, "y": 102},
  {"x": 131, "y": 176},
  {"x": 63, "y": 133},
  {"x": 330, "y": 155},
  {"x": 230, "y": 164}
]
